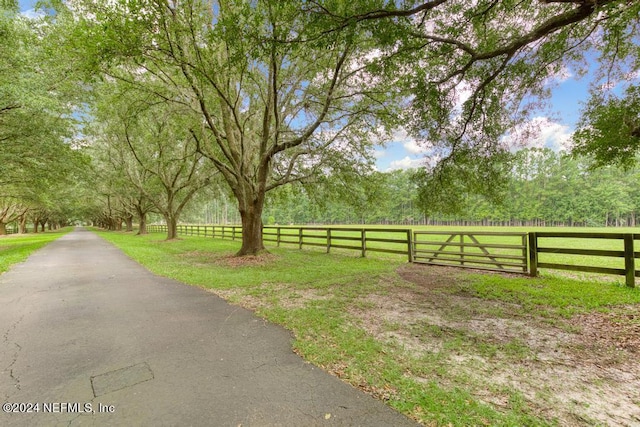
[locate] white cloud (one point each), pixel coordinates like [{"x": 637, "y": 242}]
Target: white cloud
[
  {"x": 463, "y": 92},
  {"x": 556, "y": 136},
  {"x": 560, "y": 74},
  {"x": 410, "y": 144},
  {"x": 406, "y": 163},
  {"x": 413, "y": 147},
  {"x": 400, "y": 135},
  {"x": 540, "y": 132},
  {"x": 33, "y": 14},
  {"x": 379, "y": 154}
]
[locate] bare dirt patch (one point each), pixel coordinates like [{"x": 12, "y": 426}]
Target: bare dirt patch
[
  {"x": 619, "y": 329},
  {"x": 578, "y": 371},
  {"x": 230, "y": 260}
]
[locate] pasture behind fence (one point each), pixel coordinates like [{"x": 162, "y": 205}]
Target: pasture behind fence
[{"x": 514, "y": 252}]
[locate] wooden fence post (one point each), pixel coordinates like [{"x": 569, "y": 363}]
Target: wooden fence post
[
  {"x": 278, "y": 236},
  {"x": 409, "y": 246},
  {"x": 524, "y": 253},
  {"x": 461, "y": 248},
  {"x": 533, "y": 254},
  {"x": 300, "y": 238},
  {"x": 629, "y": 261},
  {"x": 328, "y": 240},
  {"x": 363, "y": 239}
]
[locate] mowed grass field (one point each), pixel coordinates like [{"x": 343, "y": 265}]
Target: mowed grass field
[
  {"x": 315, "y": 237},
  {"x": 444, "y": 346},
  {"x": 15, "y": 248}
]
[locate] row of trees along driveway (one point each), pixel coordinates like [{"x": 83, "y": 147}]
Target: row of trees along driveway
[
  {"x": 39, "y": 167},
  {"x": 273, "y": 92}
]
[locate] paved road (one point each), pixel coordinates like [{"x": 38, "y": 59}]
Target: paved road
[{"x": 85, "y": 328}]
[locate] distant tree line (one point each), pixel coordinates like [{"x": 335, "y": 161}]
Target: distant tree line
[{"x": 544, "y": 188}]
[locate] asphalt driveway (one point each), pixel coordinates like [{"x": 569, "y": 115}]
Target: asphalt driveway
[{"x": 89, "y": 337}]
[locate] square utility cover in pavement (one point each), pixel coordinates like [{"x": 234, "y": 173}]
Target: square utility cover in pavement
[{"x": 121, "y": 378}]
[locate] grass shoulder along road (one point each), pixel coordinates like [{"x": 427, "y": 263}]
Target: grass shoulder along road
[
  {"x": 15, "y": 248},
  {"x": 444, "y": 346}
]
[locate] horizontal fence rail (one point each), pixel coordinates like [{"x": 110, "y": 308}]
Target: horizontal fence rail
[
  {"x": 496, "y": 251},
  {"x": 393, "y": 241},
  {"x": 465, "y": 249},
  {"x": 232, "y": 232},
  {"x": 624, "y": 252}
]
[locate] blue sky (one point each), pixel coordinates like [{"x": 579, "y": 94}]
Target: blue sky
[
  {"x": 26, "y": 4},
  {"x": 556, "y": 124}
]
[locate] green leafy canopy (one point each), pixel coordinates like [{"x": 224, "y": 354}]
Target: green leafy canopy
[{"x": 610, "y": 129}]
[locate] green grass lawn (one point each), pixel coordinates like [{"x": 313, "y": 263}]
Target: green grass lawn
[
  {"x": 345, "y": 235},
  {"x": 16, "y": 248},
  {"x": 321, "y": 298}
]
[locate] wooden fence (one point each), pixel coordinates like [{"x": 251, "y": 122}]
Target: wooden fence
[
  {"x": 497, "y": 251},
  {"x": 625, "y": 251},
  {"x": 232, "y": 232},
  {"x": 361, "y": 239}
]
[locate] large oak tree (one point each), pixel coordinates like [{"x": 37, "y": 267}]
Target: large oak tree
[
  {"x": 272, "y": 110},
  {"x": 286, "y": 90}
]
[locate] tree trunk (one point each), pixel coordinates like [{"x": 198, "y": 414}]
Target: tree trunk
[
  {"x": 129, "y": 222},
  {"x": 172, "y": 227},
  {"x": 251, "y": 217},
  {"x": 142, "y": 219},
  {"x": 3, "y": 229},
  {"x": 23, "y": 224},
  {"x": 35, "y": 226}
]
